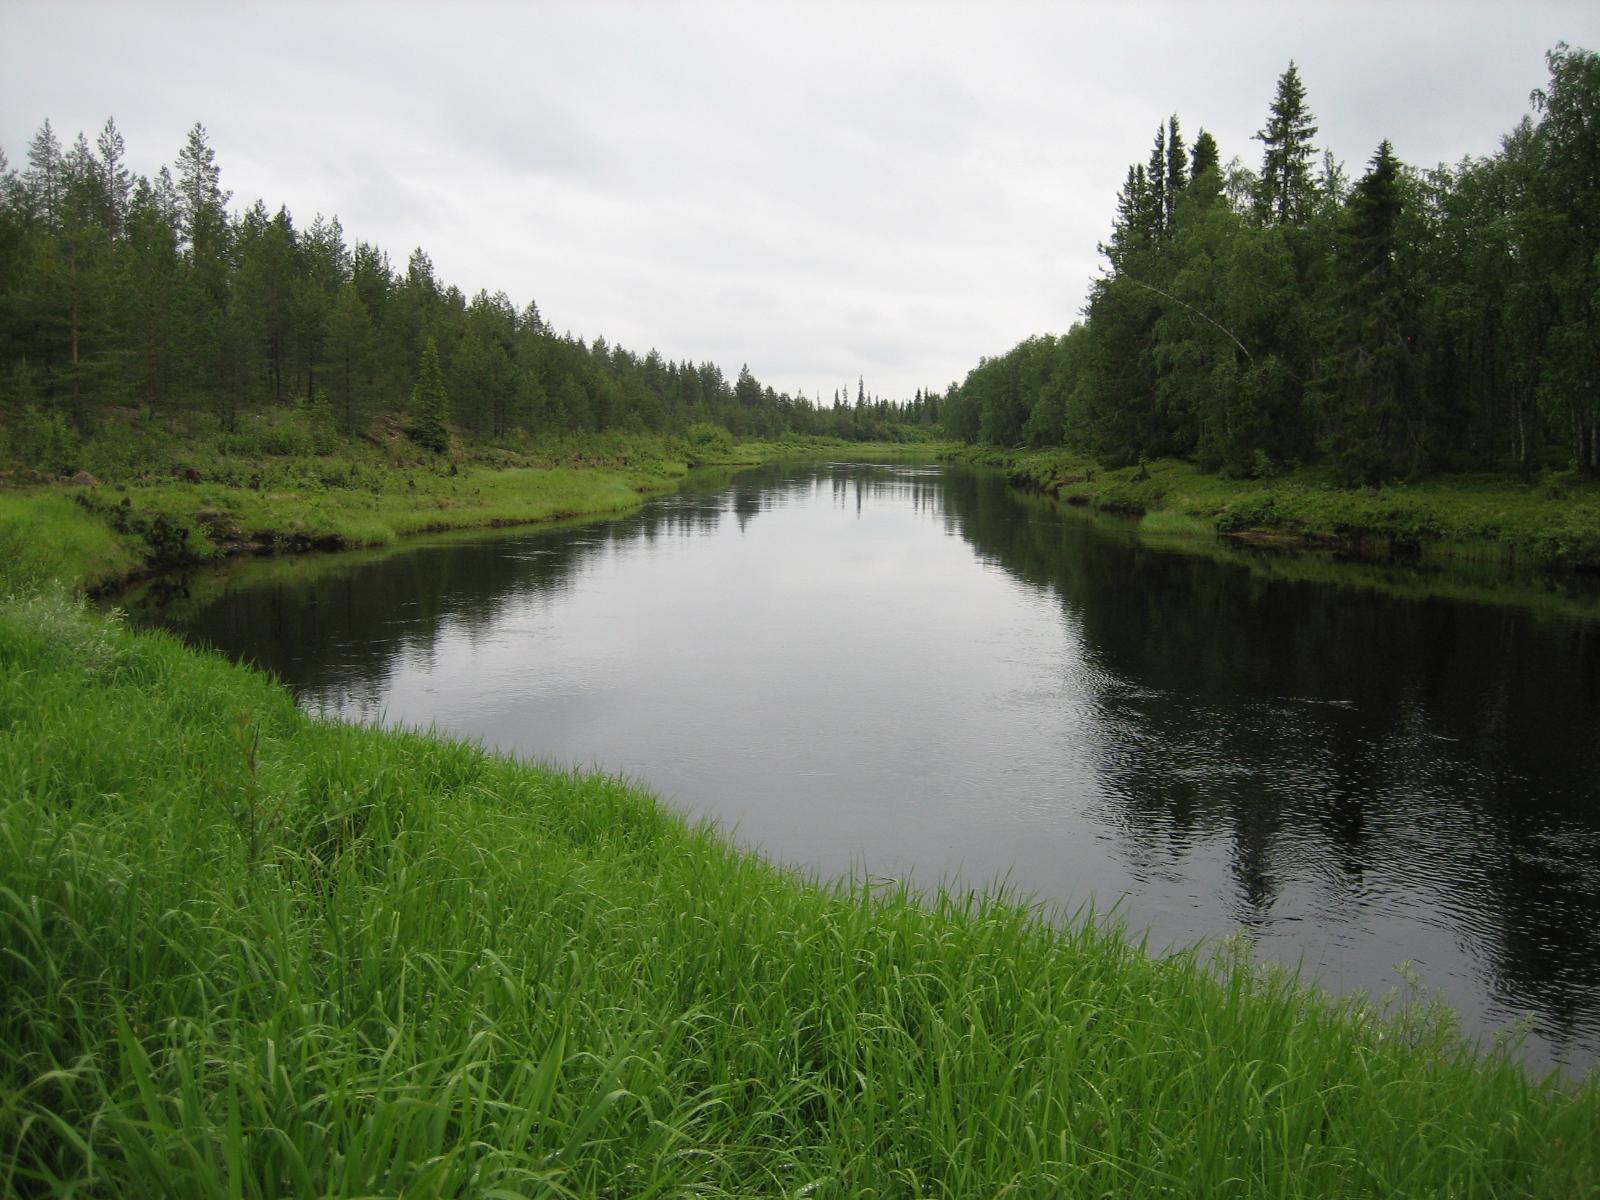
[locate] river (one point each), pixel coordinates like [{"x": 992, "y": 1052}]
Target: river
[{"x": 916, "y": 671}]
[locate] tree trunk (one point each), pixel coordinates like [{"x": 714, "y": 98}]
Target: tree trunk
[
  {"x": 349, "y": 400},
  {"x": 1522, "y": 438},
  {"x": 72, "y": 283},
  {"x": 150, "y": 361}
]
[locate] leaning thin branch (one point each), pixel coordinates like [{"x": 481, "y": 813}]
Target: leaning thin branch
[{"x": 1204, "y": 317}]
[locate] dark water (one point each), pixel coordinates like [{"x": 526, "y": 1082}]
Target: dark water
[{"x": 916, "y": 671}]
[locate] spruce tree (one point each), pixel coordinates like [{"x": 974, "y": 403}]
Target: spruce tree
[
  {"x": 1286, "y": 190},
  {"x": 1156, "y": 185},
  {"x": 430, "y": 408},
  {"x": 1177, "y": 171},
  {"x": 1376, "y": 433},
  {"x": 1205, "y": 170},
  {"x": 1205, "y": 158},
  {"x": 1137, "y": 226}
]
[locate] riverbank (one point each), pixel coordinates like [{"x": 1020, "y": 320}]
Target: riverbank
[
  {"x": 267, "y": 953},
  {"x": 192, "y": 504},
  {"x": 1552, "y": 522}
]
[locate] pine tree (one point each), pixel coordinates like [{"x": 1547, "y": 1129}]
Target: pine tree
[
  {"x": 746, "y": 390},
  {"x": 201, "y": 200},
  {"x": 43, "y": 177},
  {"x": 430, "y": 408},
  {"x": 153, "y": 271},
  {"x": 350, "y": 339},
  {"x": 116, "y": 181},
  {"x": 1285, "y": 188},
  {"x": 85, "y": 282}
]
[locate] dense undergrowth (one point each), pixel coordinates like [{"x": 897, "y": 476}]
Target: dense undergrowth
[
  {"x": 246, "y": 952},
  {"x": 1553, "y": 521}
]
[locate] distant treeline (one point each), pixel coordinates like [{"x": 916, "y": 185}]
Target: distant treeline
[
  {"x": 119, "y": 291},
  {"x": 1412, "y": 321}
]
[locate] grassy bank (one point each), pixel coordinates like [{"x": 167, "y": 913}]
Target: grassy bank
[
  {"x": 1475, "y": 579},
  {"x": 197, "y": 502},
  {"x": 250, "y": 953},
  {"x": 1551, "y": 522},
  {"x": 172, "y": 502},
  {"x": 795, "y": 448}
]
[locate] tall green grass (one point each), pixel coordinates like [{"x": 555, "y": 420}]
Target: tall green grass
[
  {"x": 46, "y": 536},
  {"x": 245, "y": 952},
  {"x": 95, "y": 536}
]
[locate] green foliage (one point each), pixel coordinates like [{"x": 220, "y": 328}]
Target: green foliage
[
  {"x": 22, "y": 387},
  {"x": 707, "y": 440},
  {"x": 323, "y": 425},
  {"x": 279, "y": 434},
  {"x": 1557, "y": 524},
  {"x": 430, "y": 408},
  {"x": 46, "y": 442},
  {"x": 1022, "y": 397},
  {"x": 1374, "y": 407},
  {"x": 1572, "y": 543},
  {"x": 1413, "y": 323},
  {"x": 118, "y": 292},
  {"x": 254, "y": 496},
  {"x": 45, "y": 537},
  {"x": 1286, "y": 193}
]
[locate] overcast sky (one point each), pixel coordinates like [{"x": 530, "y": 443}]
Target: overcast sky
[{"x": 823, "y": 191}]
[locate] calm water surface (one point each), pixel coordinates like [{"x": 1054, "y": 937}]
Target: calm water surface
[{"x": 914, "y": 671}]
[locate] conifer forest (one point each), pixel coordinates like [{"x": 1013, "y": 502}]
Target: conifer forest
[
  {"x": 122, "y": 293},
  {"x": 1263, "y": 307}
]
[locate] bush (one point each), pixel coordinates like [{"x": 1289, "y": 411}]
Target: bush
[
  {"x": 45, "y": 442},
  {"x": 281, "y": 434},
  {"x": 1568, "y": 546},
  {"x": 705, "y": 436},
  {"x": 707, "y": 441}
]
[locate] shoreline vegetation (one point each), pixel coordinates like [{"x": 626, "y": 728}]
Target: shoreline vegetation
[
  {"x": 1548, "y": 523},
  {"x": 1389, "y": 326},
  {"x": 270, "y": 954},
  {"x": 178, "y": 504}
]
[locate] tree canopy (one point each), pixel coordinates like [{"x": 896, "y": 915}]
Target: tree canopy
[
  {"x": 1421, "y": 320},
  {"x": 156, "y": 295}
]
